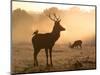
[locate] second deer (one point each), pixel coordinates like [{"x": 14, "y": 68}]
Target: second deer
[{"x": 76, "y": 44}]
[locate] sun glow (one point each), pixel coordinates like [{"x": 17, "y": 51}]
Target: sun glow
[{"x": 79, "y": 21}]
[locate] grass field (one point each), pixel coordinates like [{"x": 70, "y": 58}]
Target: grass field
[{"x": 64, "y": 59}]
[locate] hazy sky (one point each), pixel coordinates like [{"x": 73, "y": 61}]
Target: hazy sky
[
  {"x": 79, "y": 21},
  {"x": 40, "y": 6}
]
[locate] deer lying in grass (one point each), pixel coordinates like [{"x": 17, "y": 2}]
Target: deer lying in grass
[
  {"x": 46, "y": 41},
  {"x": 76, "y": 44}
]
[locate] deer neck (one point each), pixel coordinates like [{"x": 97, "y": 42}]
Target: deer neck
[{"x": 55, "y": 34}]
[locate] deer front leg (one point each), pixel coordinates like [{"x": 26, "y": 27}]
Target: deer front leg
[
  {"x": 46, "y": 51},
  {"x": 80, "y": 46},
  {"x": 50, "y": 51}
]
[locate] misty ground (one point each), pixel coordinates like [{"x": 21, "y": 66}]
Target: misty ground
[{"x": 64, "y": 59}]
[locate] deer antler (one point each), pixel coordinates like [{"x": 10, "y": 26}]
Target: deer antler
[
  {"x": 51, "y": 18},
  {"x": 56, "y": 17}
]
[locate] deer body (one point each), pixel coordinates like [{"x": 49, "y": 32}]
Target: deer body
[{"x": 46, "y": 41}]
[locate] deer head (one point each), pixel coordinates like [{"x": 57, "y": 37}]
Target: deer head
[
  {"x": 70, "y": 45},
  {"x": 57, "y": 26}
]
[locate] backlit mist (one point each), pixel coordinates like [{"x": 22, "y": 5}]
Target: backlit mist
[{"x": 78, "y": 21}]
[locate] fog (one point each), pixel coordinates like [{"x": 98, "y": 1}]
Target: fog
[{"x": 79, "y": 24}]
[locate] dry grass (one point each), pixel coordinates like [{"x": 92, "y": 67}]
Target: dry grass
[{"x": 64, "y": 58}]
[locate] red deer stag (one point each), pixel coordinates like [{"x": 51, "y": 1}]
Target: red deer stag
[
  {"x": 46, "y": 41},
  {"x": 76, "y": 44}
]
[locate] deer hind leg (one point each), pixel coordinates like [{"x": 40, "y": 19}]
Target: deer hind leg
[
  {"x": 34, "y": 60},
  {"x": 50, "y": 51},
  {"x": 46, "y": 51},
  {"x": 35, "y": 57}
]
